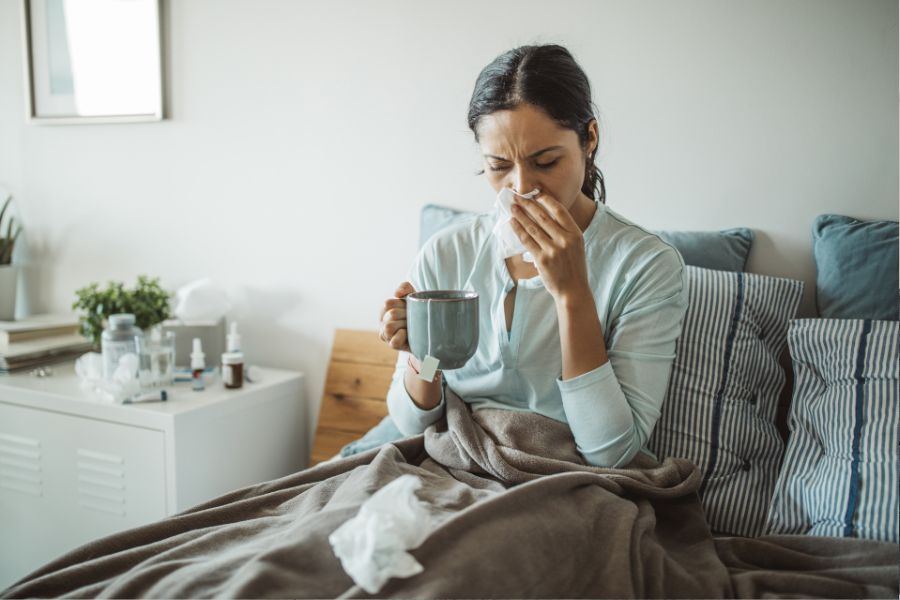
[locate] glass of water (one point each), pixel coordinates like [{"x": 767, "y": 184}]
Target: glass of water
[{"x": 156, "y": 354}]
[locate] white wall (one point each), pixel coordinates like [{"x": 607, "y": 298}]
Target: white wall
[{"x": 303, "y": 137}]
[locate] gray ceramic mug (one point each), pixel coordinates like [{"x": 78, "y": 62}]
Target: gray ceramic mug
[{"x": 443, "y": 324}]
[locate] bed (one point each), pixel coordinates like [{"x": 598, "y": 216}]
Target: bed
[{"x": 737, "y": 506}]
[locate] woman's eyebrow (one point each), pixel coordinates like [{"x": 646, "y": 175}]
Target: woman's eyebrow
[{"x": 532, "y": 155}]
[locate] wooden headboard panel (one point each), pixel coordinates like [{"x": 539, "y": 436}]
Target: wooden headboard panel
[{"x": 356, "y": 386}]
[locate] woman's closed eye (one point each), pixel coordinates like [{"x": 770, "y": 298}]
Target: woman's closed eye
[{"x": 540, "y": 165}]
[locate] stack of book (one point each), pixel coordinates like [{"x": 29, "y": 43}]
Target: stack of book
[{"x": 38, "y": 341}]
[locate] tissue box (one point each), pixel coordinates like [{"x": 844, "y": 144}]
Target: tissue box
[{"x": 211, "y": 334}]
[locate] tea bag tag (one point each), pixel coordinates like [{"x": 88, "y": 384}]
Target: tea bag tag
[{"x": 429, "y": 368}]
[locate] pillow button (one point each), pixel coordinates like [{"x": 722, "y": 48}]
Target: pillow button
[
  {"x": 746, "y": 465},
  {"x": 752, "y": 399}
]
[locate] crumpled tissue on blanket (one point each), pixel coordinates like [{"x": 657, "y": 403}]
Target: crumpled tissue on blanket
[{"x": 372, "y": 546}]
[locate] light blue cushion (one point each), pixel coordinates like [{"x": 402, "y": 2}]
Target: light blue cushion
[
  {"x": 379, "y": 435},
  {"x": 720, "y": 405},
  {"x": 435, "y": 217},
  {"x": 839, "y": 476},
  {"x": 725, "y": 250},
  {"x": 856, "y": 268}
]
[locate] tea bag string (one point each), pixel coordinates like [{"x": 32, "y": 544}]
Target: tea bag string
[{"x": 430, "y": 351}]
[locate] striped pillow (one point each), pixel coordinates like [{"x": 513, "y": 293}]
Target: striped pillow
[
  {"x": 839, "y": 476},
  {"x": 719, "y": 409}
]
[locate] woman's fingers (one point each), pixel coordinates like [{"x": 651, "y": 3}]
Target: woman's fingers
[
  {"x": 393, "y": 318},
  {"x": 391, "y": 328},
  {"x": 534, "y": 232},
  {"x": 405, "y": 289},
  {"x": 542, "y": 217},
  {"x": 527, "y": 241},
  {"x": 391, "y": 304},
  {"x": 397, "y": 313},
  {"x": 398, "y": 341},
  {"x": 394, "y": 333},
  {"x": 557, "y": 212}
]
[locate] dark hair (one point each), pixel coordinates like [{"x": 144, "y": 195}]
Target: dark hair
[{"x": 546, "y": 77}]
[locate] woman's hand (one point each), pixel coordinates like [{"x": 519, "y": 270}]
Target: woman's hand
[
  {"x": 424, "y": 394},
  {"x": 551, "y": 235},
  {"x": 393, "y": 318}
]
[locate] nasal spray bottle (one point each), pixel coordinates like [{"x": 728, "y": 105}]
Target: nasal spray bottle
[
  {"x": 198, "y": 363},
  {"x": 233, "y": 360}
]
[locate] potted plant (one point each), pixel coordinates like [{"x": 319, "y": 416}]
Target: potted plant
[
  {"x": 8, "y": 273},
  {"x": 148, "y": 302}
]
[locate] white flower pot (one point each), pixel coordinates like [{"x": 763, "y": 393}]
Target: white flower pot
[{"x": 9, "y": 275}]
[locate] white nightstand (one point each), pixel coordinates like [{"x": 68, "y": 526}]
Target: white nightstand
[{"x": 73, "y": 469}]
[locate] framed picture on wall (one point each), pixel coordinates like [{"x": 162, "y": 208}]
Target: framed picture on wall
[{"x": 92, "y": 61}]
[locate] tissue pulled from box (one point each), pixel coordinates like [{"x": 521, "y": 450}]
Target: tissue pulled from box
[
  {"x": 372, "y": 546},
  {"x": 506, "y": 237},
  {"x": 200, "y": 300}
]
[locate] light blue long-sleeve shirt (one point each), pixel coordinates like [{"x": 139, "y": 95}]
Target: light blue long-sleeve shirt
[{"x": 640, "y": 289}]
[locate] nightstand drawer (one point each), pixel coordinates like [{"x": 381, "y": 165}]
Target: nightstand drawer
[{"x": 65, "y": 480}]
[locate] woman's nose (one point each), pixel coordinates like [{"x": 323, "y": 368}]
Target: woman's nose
[{"x": 521, "y": 181}]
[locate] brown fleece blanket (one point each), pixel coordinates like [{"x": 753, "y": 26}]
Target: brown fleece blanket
[{"x": 519, "y": 515}]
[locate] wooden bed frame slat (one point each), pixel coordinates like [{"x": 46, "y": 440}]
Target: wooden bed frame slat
[
  {"x": 358, "y": 379},
  {"x": 356, "y": 386},
  {"x": 350, "y": 414},
  {"x": 361, "y": 347}
]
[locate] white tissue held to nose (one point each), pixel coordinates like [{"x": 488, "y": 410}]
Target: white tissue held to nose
[{"x": 509, "y": 242}]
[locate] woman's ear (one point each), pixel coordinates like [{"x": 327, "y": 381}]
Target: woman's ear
[{"x": 593, "y": 137}]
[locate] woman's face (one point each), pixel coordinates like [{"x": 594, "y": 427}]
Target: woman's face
[{"x": 525, "y": 149}]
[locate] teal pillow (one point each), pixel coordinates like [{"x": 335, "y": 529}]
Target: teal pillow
[
  {"x": 725, "y": 250},
  {"x": 856, "y": 268}
]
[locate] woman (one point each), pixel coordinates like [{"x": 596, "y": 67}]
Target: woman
[{"x": 585, "y": 334}]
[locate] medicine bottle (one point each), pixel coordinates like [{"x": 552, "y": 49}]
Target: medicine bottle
[
  {"x": 117, "y": 340},
  {"x": 233, "y": 360},
  {"x": 198, "y": 364},
  {"x": 233, "y": 369}
]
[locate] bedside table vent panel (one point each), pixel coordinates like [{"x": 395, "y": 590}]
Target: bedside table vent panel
[
  {"x": 101, "y": 481},
  {"x": 20, "y": 464}
]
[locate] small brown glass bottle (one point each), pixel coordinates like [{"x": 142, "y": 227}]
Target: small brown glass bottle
[{"x": 233, "y": 369}]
